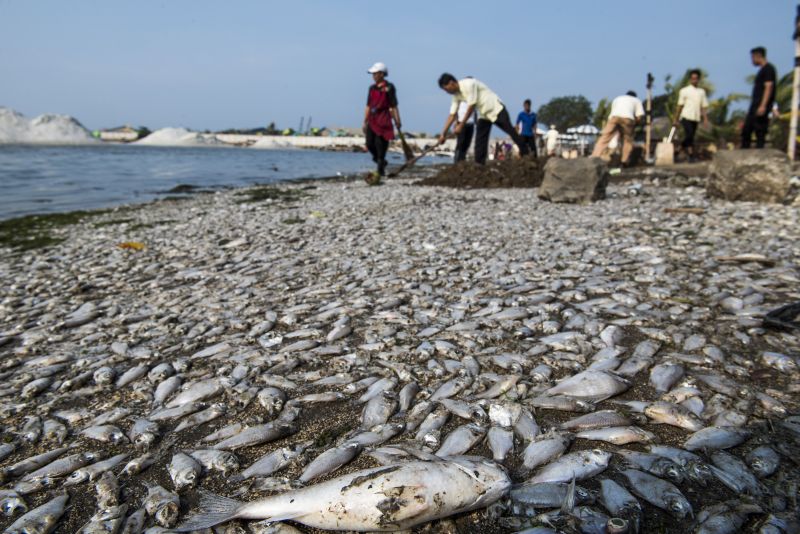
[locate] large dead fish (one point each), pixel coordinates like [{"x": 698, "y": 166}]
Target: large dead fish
[{"x": 378, "y": 499}]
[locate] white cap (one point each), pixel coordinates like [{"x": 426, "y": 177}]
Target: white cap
[{"x": 378, "y": 67}]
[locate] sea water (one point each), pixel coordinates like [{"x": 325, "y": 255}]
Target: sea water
[{"x": 47, "y": 179}]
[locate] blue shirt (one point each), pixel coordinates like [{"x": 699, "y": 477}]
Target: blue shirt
[{"x": 528, "y": 121}]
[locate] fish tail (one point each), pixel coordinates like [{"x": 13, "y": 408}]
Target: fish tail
[{"x": 212, "y": 510}]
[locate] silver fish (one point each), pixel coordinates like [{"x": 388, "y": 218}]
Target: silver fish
[
  {"x": 461, "y": 440},
  {"x": 214, "y": 460},
  {"x": 184, "y": 471},
  {"x": 162, "y": 505},
  {"x": 544, "y": 450},
  {"x": 330, "y": 460},
  {"x": 40, "y": 520},
  {"x": 377, "y": 499},
  {"x": 659, "y": 493},
  {"x": 575, "y": 465}
]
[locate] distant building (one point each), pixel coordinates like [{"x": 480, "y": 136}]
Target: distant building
[{"x": 123, "y": 134}]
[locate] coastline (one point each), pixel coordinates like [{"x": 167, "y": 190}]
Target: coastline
[{"x": 399, "y": 260}]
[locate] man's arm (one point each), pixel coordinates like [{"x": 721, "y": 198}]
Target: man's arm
[
  {"x": 395, "y": 111},
  {"x": 762, "y": 107},
  {"x": 677, "y": 118},
  {"x": 460, "y": 125},
  {"x": 447, "y": 124},
  {"x": 366, "y": 119}
]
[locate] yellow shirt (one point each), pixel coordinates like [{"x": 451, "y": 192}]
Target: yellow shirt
[
  {"x": 476, "y": 93},
  {"x": 693, "y": 99}
]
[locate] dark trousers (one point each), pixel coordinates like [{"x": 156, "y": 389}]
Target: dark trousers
[
  {"x": 484, "y": 128},
  {"x": 754, "y": 124},
  {"x": 530, "y": 141},
  {"x": 377, "y": 146},
  {"x": 462, "y": 142},
  {"x": 689, "y": 129}
]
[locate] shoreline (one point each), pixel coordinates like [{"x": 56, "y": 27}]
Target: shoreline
[{"x": 253, "y": 284}]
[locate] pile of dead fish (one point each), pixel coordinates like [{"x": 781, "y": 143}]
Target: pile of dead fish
[{"x": 375, "y": 359}]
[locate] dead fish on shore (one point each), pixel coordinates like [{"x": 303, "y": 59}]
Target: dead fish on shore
[{"x": 378, "y": 499}]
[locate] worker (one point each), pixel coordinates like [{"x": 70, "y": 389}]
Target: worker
[
  {"x": 626, "y": 112},
  {"x": 692, "y": 106},
  {"x": 381, "y": 109},
  {"x": 490, "y": 111}
]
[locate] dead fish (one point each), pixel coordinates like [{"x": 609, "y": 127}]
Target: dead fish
[
  {"x": 162, "y": 505},
  {"x": 763, "y": 460},
  {"x": 659, "y": 493},
  {"x": 94, "y": 471},
  {"x": 330, "y": 460},
  {"x": 40, "y": 520},
  {"x": 258, "y": 434},
  {"x": 673, "y": 414},
  {"x": 143, "y": 434},
  {"x": 653, "y": 464},
  {"x": 461, "y": 440},
  {"x": 377, "y": 499},
  {"x": 500, "y": 441},
  {"x": 590, "y": 385},
  {"x": 105, "y": 434},
  {"x": 214, "y": 460},
  {"x": 618, "y": 435},
  {"x": 575, "y": 465},
  {"x": 270, "y": 463},
  {"x": 561, "y": 403},
  {"x": 184, "y": 471},
  {"x": 11, "y": 503},
  {"x": 545, "y": 449},
  {"x": 202, "y": 417},
  {"x": 139, "y": 464},
  {"x": 713, "y": 437},
  {"x": 620, "y": 503},
  {"x": 599, "y": 419}
]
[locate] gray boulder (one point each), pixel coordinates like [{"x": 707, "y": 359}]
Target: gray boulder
[
  {"x": 749, "y": 175},
  {"x": 574, "y": 180}
]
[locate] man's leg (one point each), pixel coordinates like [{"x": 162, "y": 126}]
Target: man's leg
[
  {"x": 371, "y": 144},
  {"x": 532, "y": 146},
  {"x": 747, "y": 131},
  {"x": 482, "y": 130},
  {"x": 504, "y": 123},
  {"x": 627, "y": 127},
  {"x": 605, "y": 137},
  {"x": 462, "y": 143},
  {"x": 689, "y": 129},
  {"x": 382, "y": 146},
  {"x": 761, "y": 125}
]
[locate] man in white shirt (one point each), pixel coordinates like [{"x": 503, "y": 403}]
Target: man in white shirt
[
  {"x": 490, "y": 111},
  {"x": 626, "y": 112},
  {"x": 692, "y": 106},
  {"x": 551, "y": 140}
]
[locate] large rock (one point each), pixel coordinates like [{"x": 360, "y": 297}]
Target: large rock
[
  {"x": 751, "y": 175},
  {"x": 574, "y": 180}
]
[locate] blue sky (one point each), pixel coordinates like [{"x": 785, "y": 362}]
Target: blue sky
[{"x": 203, "y": 64}]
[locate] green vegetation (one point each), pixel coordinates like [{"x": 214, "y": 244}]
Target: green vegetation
[
  {"x": 34, "y": 231},
  {"x": 144, "y": 226},
  {"x": 293, "y": 220},
  {"x": 262, "y": 193},
  {"x": 565, "y": 112}
]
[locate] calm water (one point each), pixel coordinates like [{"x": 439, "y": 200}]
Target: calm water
[{"x": 46, "y": 179}]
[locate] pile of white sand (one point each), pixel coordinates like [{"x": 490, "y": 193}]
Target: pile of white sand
[
  {"x": 44, "y": 129},
  {"x": 179, "y": 137},
  {"x": 273, "y": 143}
]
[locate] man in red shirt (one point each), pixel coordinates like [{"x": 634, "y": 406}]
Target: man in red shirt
[{"x": 381, "y": 109}]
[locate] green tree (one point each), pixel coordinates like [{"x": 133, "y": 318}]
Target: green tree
[
  {"x": 565, "y": 112},
  {"x": 601, "y": 112}
]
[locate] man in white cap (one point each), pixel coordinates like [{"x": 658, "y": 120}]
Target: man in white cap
[
  {"x": 381, "y": 109},
  {"x": 490, "y": 111}
]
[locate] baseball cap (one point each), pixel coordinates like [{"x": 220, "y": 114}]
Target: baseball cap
[{"x": 378, "y": 67}]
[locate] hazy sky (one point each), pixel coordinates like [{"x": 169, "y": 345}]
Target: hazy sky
[{"x": 213, "y": 65}]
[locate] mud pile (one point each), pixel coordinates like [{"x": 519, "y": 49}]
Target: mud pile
[{"x": 524, "y": 172}]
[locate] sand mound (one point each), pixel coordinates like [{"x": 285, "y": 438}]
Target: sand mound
[
  {"x": 272, "y": 143},
  {"x": 45, "y": 129},
  {"x": 178, "y": 137},
  {"x": 525, "y": 172}
]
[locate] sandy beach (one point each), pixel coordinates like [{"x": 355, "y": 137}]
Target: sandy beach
[{"x": 248, "y": 283}]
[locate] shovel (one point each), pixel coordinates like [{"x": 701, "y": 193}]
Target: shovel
[
  {"x": 412, "y": 161},
  {"x": 671, "y": 135},
  {"x": 407, "y": 152}
]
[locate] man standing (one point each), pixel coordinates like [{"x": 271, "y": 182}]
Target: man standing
[
  {"x": 381, "y": 109},
  {"x": 551, "y": 140},
  {"x": 626, "y": 112},
  {"x": 465, "y": 135},
  {"x": 526, "y": 126},
  {"x": 692, "y": 105},
  {"x": 757, "y": 120},
  {"x": 490, "y": 111}
]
